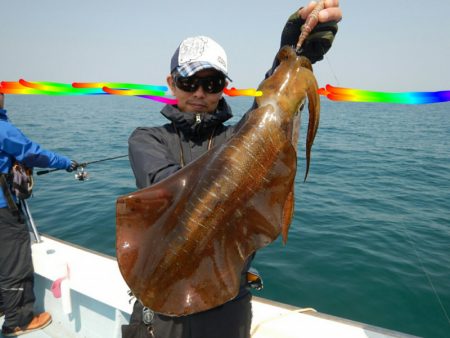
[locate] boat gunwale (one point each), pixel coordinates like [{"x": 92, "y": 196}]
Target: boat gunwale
[{"x": 321, "y": 315}]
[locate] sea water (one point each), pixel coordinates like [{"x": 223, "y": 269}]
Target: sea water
[{"x": 370, "y": 238}]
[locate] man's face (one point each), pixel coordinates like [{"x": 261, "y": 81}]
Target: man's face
[
  {"x": 2, "y": 98},
  {"x": 198, "y": 101}
]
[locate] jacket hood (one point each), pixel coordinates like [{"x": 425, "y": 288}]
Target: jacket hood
[{"x": 187, "y": 122}]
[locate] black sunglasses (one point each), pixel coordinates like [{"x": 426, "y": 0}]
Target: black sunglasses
[{"x": 210, "y": 84}]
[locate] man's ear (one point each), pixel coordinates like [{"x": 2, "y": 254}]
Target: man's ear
[{"x": 171, "y": 83}]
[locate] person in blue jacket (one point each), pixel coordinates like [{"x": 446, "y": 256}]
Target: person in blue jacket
[{"x": 16, "y": 267}]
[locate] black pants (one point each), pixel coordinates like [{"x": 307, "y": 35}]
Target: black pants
[
  {"x": 231, "y": 320},
  {"x": 16, "y": 271}
]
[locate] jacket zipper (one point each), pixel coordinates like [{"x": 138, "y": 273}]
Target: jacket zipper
[{"x": 198, "y": 118}]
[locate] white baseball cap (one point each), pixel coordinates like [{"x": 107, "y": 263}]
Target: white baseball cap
[{"x": 198, "y": 53}]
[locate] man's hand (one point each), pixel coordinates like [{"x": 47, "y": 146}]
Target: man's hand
[
  {"x": 73, "y": 166},
  {"x": 332, "y": 11},
  {"x": 2, "y": 100}
]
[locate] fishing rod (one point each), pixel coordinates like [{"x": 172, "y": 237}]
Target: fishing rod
[
  {"x": 81, "y": 175},
  {"x": 30, "y": 220}
]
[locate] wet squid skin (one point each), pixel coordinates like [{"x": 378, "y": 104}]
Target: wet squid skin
[
  {"x": 295, "y": 81},
  {"x": 182, "y": 243}
]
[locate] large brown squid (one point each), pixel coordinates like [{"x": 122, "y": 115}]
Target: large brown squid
[{"x": 182, "y": 243}]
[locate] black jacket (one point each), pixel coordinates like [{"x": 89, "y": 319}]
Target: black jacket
[{"x": 157, "y": 152}]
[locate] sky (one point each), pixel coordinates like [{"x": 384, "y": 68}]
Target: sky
[{"x": 396, "y": 46}]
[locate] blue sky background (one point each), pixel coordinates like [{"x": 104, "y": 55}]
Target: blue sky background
[{"x": 397, "y": 45}]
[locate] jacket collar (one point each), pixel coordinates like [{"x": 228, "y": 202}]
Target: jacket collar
[{"x": 188, "y": 122}]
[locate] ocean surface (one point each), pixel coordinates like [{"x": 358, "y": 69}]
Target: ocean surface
[{"x": 370, "y": 239}]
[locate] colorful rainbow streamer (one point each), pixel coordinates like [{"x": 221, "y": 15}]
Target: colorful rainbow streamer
[
  {"x": 242, "y": 92},
  {"x": 356, "y": 95},
  {"x": 159, "y": 93}
]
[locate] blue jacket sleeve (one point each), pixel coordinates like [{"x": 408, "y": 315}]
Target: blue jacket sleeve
[{"x": 15, "y": 144}]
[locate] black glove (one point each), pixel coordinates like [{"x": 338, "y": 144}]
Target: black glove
[
  {"x": 316, "y": 44},
  {"x": 73, "y": 166}
]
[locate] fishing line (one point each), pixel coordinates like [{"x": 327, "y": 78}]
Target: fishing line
[
  {"x": 331, "y": 69},
  {"x": 411, "y": 242},
  {"x": 329, "y": 65},
  {"x": 406, "y": 234}
]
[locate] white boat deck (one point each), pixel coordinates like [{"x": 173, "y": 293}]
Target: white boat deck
[{"x": 94, "y": 302}]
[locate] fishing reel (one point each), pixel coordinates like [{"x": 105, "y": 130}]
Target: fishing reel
[{"x": 81, "y": 174}]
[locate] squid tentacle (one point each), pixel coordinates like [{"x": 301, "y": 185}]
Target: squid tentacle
[{"x": 311, "y": 22}]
